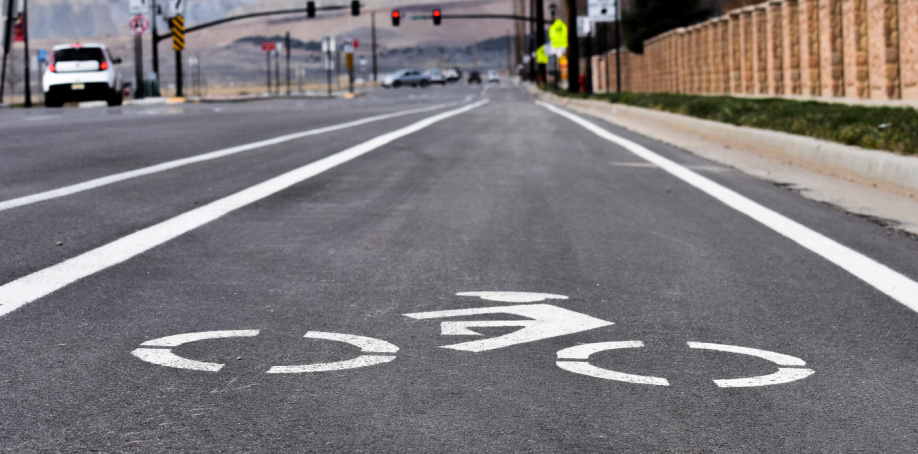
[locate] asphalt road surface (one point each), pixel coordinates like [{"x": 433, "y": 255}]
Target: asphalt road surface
[{"x": 431, "y": 270}]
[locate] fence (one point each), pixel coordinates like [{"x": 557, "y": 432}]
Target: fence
[{"x": 864, "y": 49}]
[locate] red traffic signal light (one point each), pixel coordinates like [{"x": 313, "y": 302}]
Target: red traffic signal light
[
  {"x": 436, "y": 16},
  {"x": 395, "y": 17}
]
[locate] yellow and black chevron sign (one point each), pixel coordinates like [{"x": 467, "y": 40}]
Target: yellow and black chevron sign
[
  {"x": 349, "y": 61},
  {"x": 177, "y": 24}
]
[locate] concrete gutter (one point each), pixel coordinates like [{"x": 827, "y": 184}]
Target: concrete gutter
[{"x": 880, "y": 168}]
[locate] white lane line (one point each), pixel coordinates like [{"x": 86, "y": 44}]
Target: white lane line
[
  {"x": 28, "y": 288},
  {"x": 883, "y": 278},
  {"x": 114, "y": 178}
]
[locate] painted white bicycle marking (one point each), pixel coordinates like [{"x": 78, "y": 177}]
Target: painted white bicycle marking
[
  {"x": 165, "y": 357},
  {"x": 546, "y": 321},
  {"x": 582, "y": 353},
  {"x": 366, "y": 344}
]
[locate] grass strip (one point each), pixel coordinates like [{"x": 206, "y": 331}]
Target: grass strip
[{"x": 881, "y": 128}]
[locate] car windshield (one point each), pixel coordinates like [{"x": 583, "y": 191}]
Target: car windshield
[{"x": 79, "y": 54}]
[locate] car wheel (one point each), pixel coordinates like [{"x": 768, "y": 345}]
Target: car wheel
[
  {"x": 396, "y": 84},
  {"x": 52, "y": 101},
  {"x": 424, "y": 83},
  {"x": 115, "y": 98}
]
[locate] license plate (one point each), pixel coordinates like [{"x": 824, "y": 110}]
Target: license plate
[{"x": 77, "y": 86}]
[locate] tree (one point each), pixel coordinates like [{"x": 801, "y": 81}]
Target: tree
[{"x": 649, "y": 18}]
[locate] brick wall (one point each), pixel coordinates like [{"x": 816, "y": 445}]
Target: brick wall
[{"x": 815, "y": 48}]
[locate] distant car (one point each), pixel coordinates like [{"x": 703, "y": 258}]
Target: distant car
[
  {"x": 474, "y": 77},
  {"x": 409, "y": 76},
  {"x": 453, "y": 74},
  {"x": 82, "y": 72},
  {"x": 493, "y": 76},
  {"x": 435, "y": 76}
]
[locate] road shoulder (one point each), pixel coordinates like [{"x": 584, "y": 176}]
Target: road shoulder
[{"x": 892, "y": 207}]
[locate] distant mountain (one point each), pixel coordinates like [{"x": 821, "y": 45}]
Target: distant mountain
[{"x": 71, "y": 19}]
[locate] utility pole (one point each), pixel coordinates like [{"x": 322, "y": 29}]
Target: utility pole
[
  {"x": 155, "y": 55},
  {"x": 373, "y": 41},
  {"x": 573, "y": 48},
  {"x": 25, "y": 39},
  {"x": 540, "y": 37},
  {"x": 7, "y": 39},
  {"x": 618, "y": 45},
  {"x": 287, "y": 49}
]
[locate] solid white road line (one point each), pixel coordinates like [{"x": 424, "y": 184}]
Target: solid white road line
[
  {"x": 888, "y": 281},
  {"x": 26, "y": 289},
  {"x": 114, "y": 178}
]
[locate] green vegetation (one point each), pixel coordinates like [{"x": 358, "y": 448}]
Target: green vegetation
[{"x": 880, "y": 128}]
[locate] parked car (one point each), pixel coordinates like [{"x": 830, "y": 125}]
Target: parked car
[
  {"x": 408, "y": 76},
  {"x": 82, "y": 72},
  {"x": 453, "y": 74},
  {"x": 474, "y": 77},
  {"x": 493, "y": 76},
  {"x": 435, "y": 76}
]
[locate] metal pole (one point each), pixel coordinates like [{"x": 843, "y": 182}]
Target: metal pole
[
  {"x": 287, "y": 49},
  {"x": 178, "y": 74},
  {"x": 268, "y": 65},
  {"x": 25, "y": 39},
  {"x": 618, "y": 45},
  {"x": 7, "y": 39},
  {"x": 277, "y": 81},
  {"x": 540, "y": 37},
  {"x": 138, "y": 66},
  {"x": 155, "y": 53},
  {"x": 373, "y": 41},
  {"x": 573, "y": 49},
  {"x": 588, "y": 50}
]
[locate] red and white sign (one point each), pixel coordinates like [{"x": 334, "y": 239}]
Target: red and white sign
[
  {"x": 139, "y": 24},
  {"x": 356, "y": 43},
  {"x": 268, "y": 46}
]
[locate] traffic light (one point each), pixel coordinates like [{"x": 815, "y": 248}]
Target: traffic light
[
  {"x": 310, "y": 9},
  {"x": 396, "y": 16},
  {"x": 436, "y": 16},
  {"x": 355, "y": 8}
]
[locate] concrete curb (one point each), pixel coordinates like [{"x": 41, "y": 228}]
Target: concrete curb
[{"x": 880, "y": 168}]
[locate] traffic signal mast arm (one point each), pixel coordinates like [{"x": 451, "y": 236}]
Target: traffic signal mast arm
[
  {"x": 159, "y": 38},
  {"x": 482, "y": 16}
]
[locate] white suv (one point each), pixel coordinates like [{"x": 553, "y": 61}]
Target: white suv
[{"x": 82, "y": 72}]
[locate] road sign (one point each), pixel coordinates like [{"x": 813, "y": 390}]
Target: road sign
[
  {"x": 541, "y": 56},
  {"x": 557, "y": 34},
  {"x": 584, "y": 27},
  {"x": 137, "y": 7},
  {"x": 139, "y": 24},
  {"x": 328, "y": 44},
  {"x": 42, "y": 55},
  {"x": 175, "y": 8},
  {"x": 349, "y": 61},
  {"x": 601, "y": 10},
  {"x": 177, "y": 24},
  {"x": 268, "y": 46}
]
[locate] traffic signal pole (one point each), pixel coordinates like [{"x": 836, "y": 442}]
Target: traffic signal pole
[
  {"x": 573, "y": 49},
  {"x": 540, "y": 37},
  {"x": 373, "y": 41}
]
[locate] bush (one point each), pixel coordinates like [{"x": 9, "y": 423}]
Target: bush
[{"x": 883, "y": 128}]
